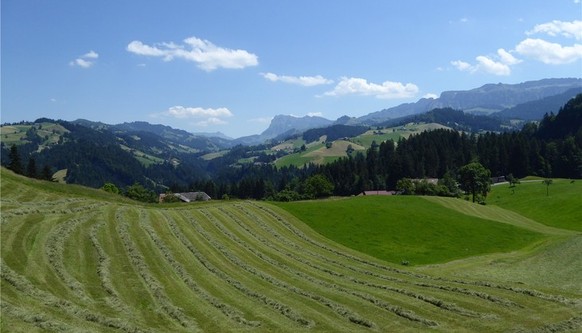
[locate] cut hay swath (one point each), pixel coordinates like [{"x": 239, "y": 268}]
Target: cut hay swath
[{"x": 80, "y": 262}]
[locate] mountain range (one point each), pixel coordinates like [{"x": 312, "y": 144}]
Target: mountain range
[{"x": 525, "y": 101}]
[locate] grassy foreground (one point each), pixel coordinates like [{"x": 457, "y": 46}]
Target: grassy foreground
[{"x": 74, "y": 259}]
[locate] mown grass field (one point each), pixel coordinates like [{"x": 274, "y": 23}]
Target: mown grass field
[
  {"x": 75, "y": 259},
  {"x": 559, "y": 206},
  {"x": 402, "y": 228}
]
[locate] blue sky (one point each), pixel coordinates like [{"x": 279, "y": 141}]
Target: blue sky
[{"x": 230, "y": 66}]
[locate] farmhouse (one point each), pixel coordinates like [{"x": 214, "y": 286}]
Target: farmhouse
[
  {"x": 189, "y": 196},
  {"x": 378, "y": 192}
]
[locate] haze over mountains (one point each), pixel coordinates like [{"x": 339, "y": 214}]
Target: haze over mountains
[
  {"x": 487, "y": 108},
  {"x": 518, "y": 101},
  {"x": 487, "y": 99}
]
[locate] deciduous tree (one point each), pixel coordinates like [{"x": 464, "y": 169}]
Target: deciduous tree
[
  {"x": 474, "y": 178},
  {"x": 318, "y": 186}
]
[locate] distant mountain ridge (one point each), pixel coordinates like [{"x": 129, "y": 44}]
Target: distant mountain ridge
[
  {"x": 196, "y": 141},
  {"x": 285, "y": 125},
  {"x": 489, "y": 98},
  {"x": 535, "y": 110},
  {"x": 527, "y": 101}
]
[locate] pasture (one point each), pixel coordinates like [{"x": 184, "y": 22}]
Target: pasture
[
  {"x": 76, "y": 259},
  {"x": 408, "y": 228},
  {"x": 318, "y": 153}
]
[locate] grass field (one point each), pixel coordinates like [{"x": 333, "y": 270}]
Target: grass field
[
  {"x": 16, "y": 134},
  {"x": 81, "y": 260},
  {"x": 401, "y": 228},
  {"x": 559, "y": 206}
]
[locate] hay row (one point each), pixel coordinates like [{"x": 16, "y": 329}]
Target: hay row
[
  {"x": 407, "y": 314},
  {"x": 40, "y": 320},
  {"x": 103, "y": 264},
  {"x": 54, "y": 249},
  {"x": 24, "y": 286},
  {"x": 155, "y": 288},
  {"x": 282, "y": 308},
  {"x": 338, "y": 308},
  {"x": 481, "y": 295},
  {"x": 529, "y": 292},
  {"x": 573, "y": 324},
  {"x": 52, "y": 209},
  {"x": 230, "y": 312}
]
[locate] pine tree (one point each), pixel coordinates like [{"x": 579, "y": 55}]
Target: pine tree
[
  {"x": 31, "y": 168},
  {"x": 15, "y": 163},
  {"x": 46, "y": 173}
]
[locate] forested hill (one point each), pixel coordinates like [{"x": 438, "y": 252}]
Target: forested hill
[
  {"x": 94, "y": 155},
  {"x": 552, "y": 149},
  {"x": 333, "y": 132},
  {"x": 455, "y": 119}
]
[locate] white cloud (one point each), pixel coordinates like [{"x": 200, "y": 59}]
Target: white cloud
[
  {"x": 197, "y": 112},
  {"x": 496, "y": 64},
  {"x": 91, "y": 55},
  {"x": 549, "y": 53},
  {"x": 86, "y": 60},
  {"x": 307, "y": 81},
  {"x": 555, "y": 28},
  {"x": 386, "y": 90},
  {"x": 207, "y": 55},
  {"x": 315, "y": 114},
  {"x": 493, "y": 67},
  {"x": 202, "y": 117},
  {"x": 507, "y": 58},
  {"x": 538, "y": 49},
  {"x": 576, "y": 1},
  {"x": 462, "y": 66},
  {"x": 430, "y": 96}
]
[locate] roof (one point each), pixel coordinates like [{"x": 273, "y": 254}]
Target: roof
[
  {"x": 378, "y": 193},
  {"x": 188, "y": 196},
  {"x": 193, "y": 196}
]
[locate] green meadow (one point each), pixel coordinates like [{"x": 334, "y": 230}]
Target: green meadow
[
  {"x": 408, "y": 228},
  {"x": 558, "y": 205},
  {"x": 75, "y": 259}
]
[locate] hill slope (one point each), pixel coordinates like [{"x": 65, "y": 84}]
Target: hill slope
[{"x": 74, "y": 260}]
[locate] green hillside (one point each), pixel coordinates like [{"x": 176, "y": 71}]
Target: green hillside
[
  {"x": 45, "y": 133},
  {"x": 408, "y": 228},
  {"x": 318, "y": 153},
  {"x": 74, "y": 259},
  {"x": 558, "y": 205}
]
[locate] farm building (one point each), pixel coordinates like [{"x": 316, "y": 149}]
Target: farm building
[
  {"x": 381, "y": 192},
  {"x": 189, "y": 196}
]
